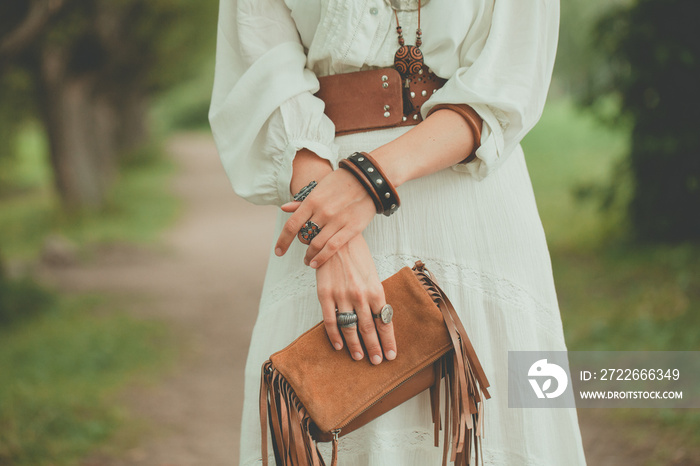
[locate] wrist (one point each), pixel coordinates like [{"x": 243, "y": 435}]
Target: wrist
[
  {"x": 307, "y": 167},
  {"x": 443, "y": 139},
  {"x": 390, "y": 161}
]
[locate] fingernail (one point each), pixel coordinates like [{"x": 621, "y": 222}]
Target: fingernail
[
  {"x": 357, "y": 356},
  {"x": 314, "y": 264},
  {"x": 337, "y": 345},
  {"x": 278, "y": 251},
  {"x": 391, "y": 355},
  {"x": 376, "y": 359}
]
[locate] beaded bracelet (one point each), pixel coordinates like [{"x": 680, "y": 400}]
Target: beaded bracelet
[{"x": 376, "y": 182}]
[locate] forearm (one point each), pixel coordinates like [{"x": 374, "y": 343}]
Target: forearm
[
  {"x": 342, "y": 207},
  {"x": 440, "y": 141},
  {"x": 307, "y": 167}
]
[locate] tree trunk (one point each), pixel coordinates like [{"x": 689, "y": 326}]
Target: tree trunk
[
  {"x": 132, "y": 126},
  {"x": 80, "y": 123}
]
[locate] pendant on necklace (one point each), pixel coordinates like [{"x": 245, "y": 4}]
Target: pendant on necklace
[{"x": 408, "y": 60}]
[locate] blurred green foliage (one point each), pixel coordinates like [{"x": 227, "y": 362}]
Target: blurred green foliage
[
  {"x": 568, "y": 149},
  {"x": 62, "y": 359},
  {"x": 613, "y": 295},
  {"x": 653, "y": 50},
  {"x": 21, "y": 300},
  {"x": 139, "y": 206},
  {"x": 185, "y": 106},
  {"x": 86, "y": 71},
  {"x": 61, "y": 372},
  {"x": 579, "y": 62}
]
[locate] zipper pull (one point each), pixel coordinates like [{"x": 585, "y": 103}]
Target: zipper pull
[{"x": 334, "y": 459}]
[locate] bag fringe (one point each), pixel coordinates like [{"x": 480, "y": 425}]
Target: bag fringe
[
  {"x": 290, "y": 424},
  {"x": 465, "y": 384}
]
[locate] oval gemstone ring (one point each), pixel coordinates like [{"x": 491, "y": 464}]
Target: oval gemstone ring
[{"x": 385, "y": 314}]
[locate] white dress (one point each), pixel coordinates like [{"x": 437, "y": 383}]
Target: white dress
[{"x": 488, "y": 251}]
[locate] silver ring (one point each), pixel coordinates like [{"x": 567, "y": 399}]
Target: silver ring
[
  {"x": 347, "y": 319},
  {"x": 308, "y": 232},
  {"x": 305, "y": 191},
  {"x": 385, "y": 314}
]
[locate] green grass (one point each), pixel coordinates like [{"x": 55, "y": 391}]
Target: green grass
[
  {"x": 27, "y": 168},
  {"x": 60, "y": 375},
  {"x": 568, "y": 149},
  {"x": 64, "y": 360},
  {"x": 613, "y": 294},
  {"x": 139, "y": 204},
  {"x": 186, "y": 106},
  {"x": 630, "y": 298}
]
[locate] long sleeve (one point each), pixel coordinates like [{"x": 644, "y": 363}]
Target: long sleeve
[
  {"x": 505, "y": 72},
  {"x": 263, "y": 109}
]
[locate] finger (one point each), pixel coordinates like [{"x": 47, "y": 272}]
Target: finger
[
  {"x": 385, "y": 331},
  {"x": 330, "y": 247},
  {"x": 352, "y": 339},
  {"x": 290, "y": 230},
  {"x": 328, "y": 231},
  {"x": 388, "y": 340},
  {"x": 329, "y": 320},
  {"x": 290, "y": 207},
  {"x": 368, "y": 331}
]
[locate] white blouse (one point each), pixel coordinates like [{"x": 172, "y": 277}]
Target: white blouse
[{"x": 496, "y": 54}]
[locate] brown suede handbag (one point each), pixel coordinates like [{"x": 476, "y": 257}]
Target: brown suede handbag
[{"x": 312, "y": 393}]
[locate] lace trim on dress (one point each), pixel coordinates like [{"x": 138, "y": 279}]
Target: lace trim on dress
[
  {"x": 496, "y": 288},
  {"x": 294, "y": 285},
  {"x": 492, "y": 286}
]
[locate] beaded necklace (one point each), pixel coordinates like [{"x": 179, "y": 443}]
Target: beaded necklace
[{"x": 408, "y": 59}]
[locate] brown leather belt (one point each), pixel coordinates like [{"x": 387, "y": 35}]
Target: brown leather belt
[{"x": 376, "y": 99}]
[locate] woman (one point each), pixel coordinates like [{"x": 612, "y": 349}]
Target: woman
[{"x": 474, "y": 224}]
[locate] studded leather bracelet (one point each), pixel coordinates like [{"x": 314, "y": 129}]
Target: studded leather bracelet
[
  {"x": 370, "y": 174},
  {"x": 364, "y": 181}
]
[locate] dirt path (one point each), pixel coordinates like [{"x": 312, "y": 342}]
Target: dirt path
[{"x": 206, "y": 282}]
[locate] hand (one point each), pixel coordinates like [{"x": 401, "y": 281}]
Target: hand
[
  {"x": 348, "y": 281},
  {"x": 339, "y": 205}
]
